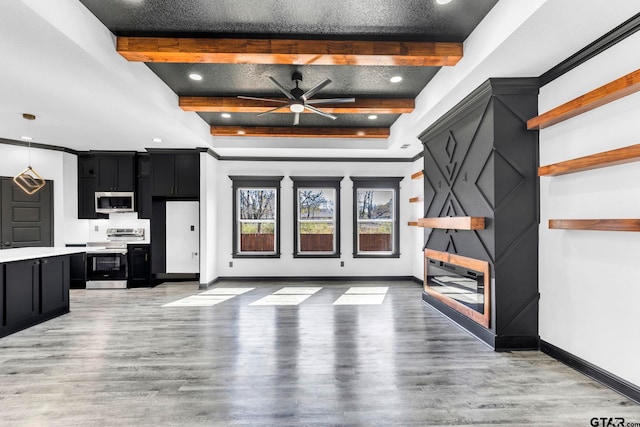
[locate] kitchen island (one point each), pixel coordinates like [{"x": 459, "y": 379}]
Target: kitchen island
[{"x": 34, "y": 286}]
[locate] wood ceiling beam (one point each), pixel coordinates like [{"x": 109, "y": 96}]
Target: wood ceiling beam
[
  {"x": 298, "y": 52},
  {"x": 299, "y": 132},
  {"x": 224, "y": 104}
]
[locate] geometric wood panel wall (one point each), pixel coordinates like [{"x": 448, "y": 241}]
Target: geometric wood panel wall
[{"x": 480, "y": 160}]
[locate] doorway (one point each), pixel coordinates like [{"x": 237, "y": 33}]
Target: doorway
[{"x": 25, "y": 220}]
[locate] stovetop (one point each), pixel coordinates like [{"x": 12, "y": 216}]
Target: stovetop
[{"x": 117, "y": 240}]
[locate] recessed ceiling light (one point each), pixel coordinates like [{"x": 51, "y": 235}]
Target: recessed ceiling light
[
  {"x": 404, "y": 146},
  {"x": 26, "y": 138},
  {"x": 395, "y": 79},
  {"x": 372, "y": 117},
  {"x": 225, "y": 115},
  {"x": 241, "y": 132},
  {"x": 360, "y": 133},
  {"x": 443, "y": 1},
  {"x": 157, "y": 139},
  {"x": 195, "y": 76}
]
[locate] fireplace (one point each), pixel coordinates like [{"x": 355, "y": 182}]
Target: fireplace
[{"x": 459, "y": 282}]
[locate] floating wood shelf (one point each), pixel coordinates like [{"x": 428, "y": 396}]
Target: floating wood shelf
[
  {"x": 619, "y": 88},
  {"x": 453, "y": 222},
  {"x": 414, "y": 200},
  {"x": 417, "y": 175},
  {"x": 412, "y": 223},
  {"x": 595, "y": 224},
  {"x": 594, "y": 161}
]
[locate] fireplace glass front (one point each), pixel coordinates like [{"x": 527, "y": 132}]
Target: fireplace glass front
[{"x": 454, "y": 281}]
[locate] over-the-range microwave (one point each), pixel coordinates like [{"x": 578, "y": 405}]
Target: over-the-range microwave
[{"x": 110, "y": 202}]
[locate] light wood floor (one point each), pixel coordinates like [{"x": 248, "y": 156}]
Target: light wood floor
[{"x": 120, "y": 358}]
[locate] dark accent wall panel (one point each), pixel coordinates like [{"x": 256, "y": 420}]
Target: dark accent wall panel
[{"x": 480, "y": 160}]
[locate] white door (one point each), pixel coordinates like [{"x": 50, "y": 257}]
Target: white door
[{"x": 183, "y": 237}]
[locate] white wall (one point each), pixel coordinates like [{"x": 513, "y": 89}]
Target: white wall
[
  {"x": 286, "y": 265},
  {"x": 588, "y": 279},
  {"x": 209, "y": 207}
]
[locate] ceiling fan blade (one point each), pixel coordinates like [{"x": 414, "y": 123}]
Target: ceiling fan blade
[
  {"x": 282, "y": 88},
  {"x": 322, "y": 113},
  {"x": 279, "y": 101},
  {"x": 331, "y": 101},
  {"x": 296, "y": 119},
  {"x": 308, "y": 94},
  {"x": 272, "y": 110}
]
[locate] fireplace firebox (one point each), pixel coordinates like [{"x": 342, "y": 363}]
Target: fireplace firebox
[{"x": 459, "y": 282}]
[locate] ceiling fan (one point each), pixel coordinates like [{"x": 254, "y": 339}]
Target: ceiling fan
[{"x": 299, "y": 100}]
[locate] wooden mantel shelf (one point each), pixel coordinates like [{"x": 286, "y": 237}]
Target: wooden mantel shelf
[
  {"x": 619, "y": 88},
  {"x": 417, "y": 175},
  {"x": 453, "y": 222},
  {"x": 595, "y": 224},
  {"x": 594, "y": 161}
]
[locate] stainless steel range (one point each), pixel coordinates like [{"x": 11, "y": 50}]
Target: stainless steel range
[{"x": 107, "y": 261}]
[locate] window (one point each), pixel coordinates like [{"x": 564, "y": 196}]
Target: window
[
  {"x": 316, "y": 216},
  {"x": 376, "y": 217},
  {"x": 256, "y": 216}
]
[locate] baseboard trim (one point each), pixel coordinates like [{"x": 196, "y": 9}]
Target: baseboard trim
[
  {"x": 594, "y": 372},
  {"x": 314, "y": 278},
  {"x": 418, "y": 281},
  {"x": 205, "y": 286},
  {"x": 176, "y": 277}
]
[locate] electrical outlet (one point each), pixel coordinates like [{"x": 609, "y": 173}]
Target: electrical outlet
[
  {"x": 96, "y": 228},
  {"x": 341, "y": 263},
  {"x": 230, "y": 263}
]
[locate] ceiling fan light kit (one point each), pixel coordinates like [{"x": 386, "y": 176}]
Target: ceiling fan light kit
[{"x": 298, "y": 100}]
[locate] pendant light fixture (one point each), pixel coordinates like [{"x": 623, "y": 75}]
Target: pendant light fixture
[{"x": 29, "y": 180}]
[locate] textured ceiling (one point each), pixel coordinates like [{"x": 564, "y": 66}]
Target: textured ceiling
[{"x": 407, "y": 20}]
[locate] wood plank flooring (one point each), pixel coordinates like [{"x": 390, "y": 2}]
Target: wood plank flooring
[{"x": 120, "y": 358}]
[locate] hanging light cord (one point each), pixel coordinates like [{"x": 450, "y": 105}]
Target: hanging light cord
[{"x": 29, "y": 118}]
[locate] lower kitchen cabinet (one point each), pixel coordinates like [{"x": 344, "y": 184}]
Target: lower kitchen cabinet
[
  {"x": 139, "y": 264},
  {"x": 78, "y": 271},
  {"x": 54, "y": 284},
  {"x": 22, "y": 290},
  {"x": 35, "y": 290}
]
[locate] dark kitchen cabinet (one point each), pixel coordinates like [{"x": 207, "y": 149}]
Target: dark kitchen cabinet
[
  {"x": 32, "y": 291},
  {"x": 139, "y": 263},
  {"x": 2, "y": 322},
  {"x": 102, "y": 172},
  {"x": 86, "y": 165},
  {"x": 87, "y": 199},
  {"x": 175, "y": 175},
  {"x": 115, "y": 172},
  {"x": 22, "y": 292},
  {"x": 143, "y": 190},
  {"x": 78, "y": 271},
  {"x": 54, "y": 283}
]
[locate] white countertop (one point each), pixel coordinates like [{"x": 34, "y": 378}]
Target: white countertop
[{"x": 19, "y": 254}]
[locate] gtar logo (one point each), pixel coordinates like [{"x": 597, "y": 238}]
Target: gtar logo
[{"x": 607, "y": 422}]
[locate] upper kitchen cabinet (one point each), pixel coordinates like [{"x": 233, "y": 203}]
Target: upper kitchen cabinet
[
  {"x": 175, "y": 174},
  {"x": 143, "y": 192},
  {"x": 115, "y": 171},
  {"x": 86, "y": 165}
]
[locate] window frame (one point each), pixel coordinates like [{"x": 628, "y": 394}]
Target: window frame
[
  {"x": 377, "y": 183},
  {"x": 242, "y": 182},
  {"x": 332, "y": 182}
]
